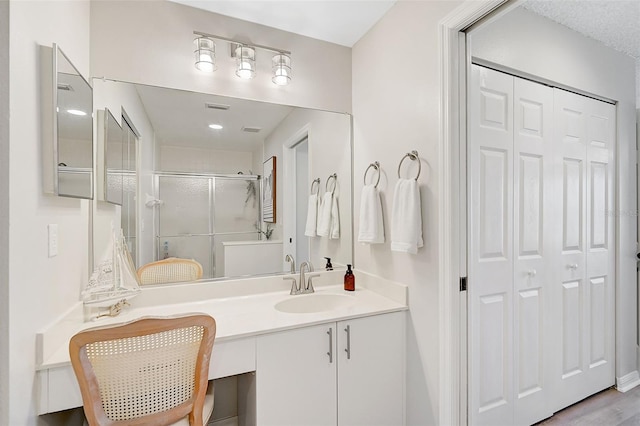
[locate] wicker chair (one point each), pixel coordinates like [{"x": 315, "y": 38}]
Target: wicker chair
[
  {"x": 170, "y": 270},
  {"x": 152, "y": 371}
]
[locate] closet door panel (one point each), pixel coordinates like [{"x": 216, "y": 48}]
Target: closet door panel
[
  {"x": 533, "y": 167},
  {"x": 491, "y": 241},
  {"x": 585, "y": 142},
  {"x": 600, "y": 247}
]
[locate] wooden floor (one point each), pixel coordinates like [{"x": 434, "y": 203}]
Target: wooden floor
[{"x": 607, "y": 408}]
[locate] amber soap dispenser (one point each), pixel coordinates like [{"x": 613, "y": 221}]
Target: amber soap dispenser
[{"x": 349, "y": 280}]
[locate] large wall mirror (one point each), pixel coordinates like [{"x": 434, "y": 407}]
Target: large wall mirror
[
  {"x": 201, "y": 186},
  {"x": 67, "y": 127}
]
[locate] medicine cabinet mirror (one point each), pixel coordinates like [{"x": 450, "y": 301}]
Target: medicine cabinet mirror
[
  {"x": 110, "y": 162},
  {"x": 199, "y": 184},
  {"x": 67, "y": 132}
]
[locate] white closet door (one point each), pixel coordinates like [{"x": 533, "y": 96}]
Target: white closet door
[
  {"x": 584, "y": 292},
  {"x": 533, "y": 249},
  {"x": 490, "y": 294}
]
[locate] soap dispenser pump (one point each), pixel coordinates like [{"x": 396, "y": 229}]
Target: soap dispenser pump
[
  {"x": 328, "y": 266},
  {"x": 349, "y": 280}
]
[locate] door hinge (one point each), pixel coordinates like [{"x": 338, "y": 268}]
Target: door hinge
[{"x": 463, "y": 283}]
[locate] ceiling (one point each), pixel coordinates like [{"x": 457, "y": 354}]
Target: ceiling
[
  {"x": 615, "y": 23},
  {"x": 180, "y": 118},
  {"x": 342, "y": 22}
]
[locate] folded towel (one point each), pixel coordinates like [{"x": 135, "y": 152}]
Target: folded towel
[
  {"x": 334, "y": 231},
  {"x": 324, "y": 215},
  {"x": 312, "y": 216},
  {"x": 371, "y": 225},
  {"x": 406, "y": 217}
]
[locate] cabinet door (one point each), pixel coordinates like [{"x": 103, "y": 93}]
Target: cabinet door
[
  {"x": 371, "y": 374},
  {"x": 296, "y": 377}
]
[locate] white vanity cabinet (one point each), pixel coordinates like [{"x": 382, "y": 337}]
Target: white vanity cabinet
[{"x": 340, "y": 373}]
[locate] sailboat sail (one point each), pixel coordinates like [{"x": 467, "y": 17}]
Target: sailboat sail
[{"x": 113, "y": 279}]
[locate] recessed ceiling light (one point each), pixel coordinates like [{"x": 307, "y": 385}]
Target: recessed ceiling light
[
  {"x": 76, "y": 112},
  {"x": 215, "y": 126}
]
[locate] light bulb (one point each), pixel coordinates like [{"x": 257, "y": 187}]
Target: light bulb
[{"x": 205, "y": 54}]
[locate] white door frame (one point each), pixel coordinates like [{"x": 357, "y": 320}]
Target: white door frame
[
  {"x": 452, "y": 233},
  {"x": 289, "y": 191}
]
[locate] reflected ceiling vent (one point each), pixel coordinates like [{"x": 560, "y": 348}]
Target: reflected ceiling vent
[
  {"x": 64, "y": 86},
  {"x": 222, "y": 107},
  {"x": 251, "y": 129}
]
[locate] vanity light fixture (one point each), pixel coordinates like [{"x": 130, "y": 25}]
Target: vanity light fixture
[
  {"x": 205, "y": 54},
  {"x": 281, "y": 67},
  {"x": 245, "y": 56},
  {"x": 215, "y": 126},
  {"x": 246, "y": 61}
]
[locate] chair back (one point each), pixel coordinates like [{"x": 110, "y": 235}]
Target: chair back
[
  {"x": 170, "y": 270},
  {"x": 148, "y": 371}
]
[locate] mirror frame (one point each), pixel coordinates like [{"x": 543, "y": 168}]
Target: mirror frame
[
  {"x": 105, "y": 120},
  {"x": 49, "y": 120}
]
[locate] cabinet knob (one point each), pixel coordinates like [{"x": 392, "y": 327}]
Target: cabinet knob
[
  {"x": 532, "y": 273},
  {"x": 573, "y": 266}
]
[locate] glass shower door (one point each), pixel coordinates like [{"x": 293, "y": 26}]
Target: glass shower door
[
  {"x": 184, "y": 222},
  {"x": 200, "y": 212},
  {"x": 236, "y": 213}
]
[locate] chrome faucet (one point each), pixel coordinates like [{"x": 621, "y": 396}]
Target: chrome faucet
[
  {"x": 289, "y": 258},
  {"x": 295, "y": 288},
  {"x": 306, "y": 286}
]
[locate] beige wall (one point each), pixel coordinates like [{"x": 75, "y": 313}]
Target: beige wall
[
  {"x": 40, "y": 288},
  {"x": 396, "y": 110},
  {"x": 4, "y": 211},
  {"x": 151, "y": 42}
]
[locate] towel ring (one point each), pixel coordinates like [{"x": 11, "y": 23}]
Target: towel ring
[
  {"x": 335, "y": 182},
  {"x": 376, "y": 167},
  {"x": 413, "y": 155},
  {"x": 316, "y": 180}
]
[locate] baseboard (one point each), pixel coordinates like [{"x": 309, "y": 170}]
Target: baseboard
[
  {"x": 229, "y": 421},
  {"x": 628, "y": 381}
]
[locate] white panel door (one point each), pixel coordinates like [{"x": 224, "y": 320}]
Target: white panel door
[
  {"x": 490, "y": 302},
  {"x": 584, "y": 291},
  {"x": 533, "y": 249},
  {"x": 541, "y": 255}
]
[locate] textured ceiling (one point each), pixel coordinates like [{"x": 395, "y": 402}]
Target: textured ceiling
[{"x": 616, "y": 23}]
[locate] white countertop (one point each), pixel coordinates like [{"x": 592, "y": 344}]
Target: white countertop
[{"x": 245, "y": 315}]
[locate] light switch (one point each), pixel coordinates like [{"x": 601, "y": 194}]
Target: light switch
[{"x": 53, "y": 239}]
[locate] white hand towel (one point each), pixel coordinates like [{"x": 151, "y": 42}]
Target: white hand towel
[
  {"x": 334, "y": 232},
  {"x": 312, "y": 216},
  {"x": 324, "y": 215},
  {"x": 371, "y": 224},
  {"x": 406, "y": 217}
]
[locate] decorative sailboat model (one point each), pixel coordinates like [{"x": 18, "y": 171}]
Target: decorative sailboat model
[{"x": 114, "y": 280}]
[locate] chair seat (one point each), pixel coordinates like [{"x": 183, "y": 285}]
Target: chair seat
[{"x": 207, "y": 409}]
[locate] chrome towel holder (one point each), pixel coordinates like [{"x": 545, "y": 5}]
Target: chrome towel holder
[
  {"x": 335, "y": 182},
  {"x": 376, "y": 167},
  {"x": 413, "y": 155},
  {"x": 316, "y": 180}
]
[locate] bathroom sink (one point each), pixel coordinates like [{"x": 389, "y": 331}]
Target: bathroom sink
[{"x": 310, "y": 303}]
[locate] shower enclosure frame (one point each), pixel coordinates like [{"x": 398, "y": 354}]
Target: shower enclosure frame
[{"x": 211, "y": 177}]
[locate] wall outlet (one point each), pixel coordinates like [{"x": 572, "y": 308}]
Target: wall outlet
[{"x": 53, "y": 239}]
